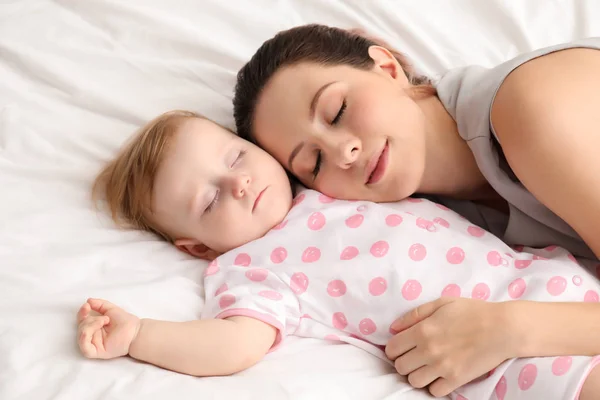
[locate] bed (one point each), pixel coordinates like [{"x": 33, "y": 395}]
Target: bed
[{"x": 77, "y": 77}]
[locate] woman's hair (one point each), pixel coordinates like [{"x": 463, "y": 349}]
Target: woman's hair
[
  {"x": 320, "y": 44},
  {"x": 127, "y": 181}
]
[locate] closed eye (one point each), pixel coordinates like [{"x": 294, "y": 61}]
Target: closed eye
[
  {"x": 339, "y": 114},
  {"x": 213, "y": 203},
  {"x": 317, "y": 167},
  {"x": 239, "y": 158}
]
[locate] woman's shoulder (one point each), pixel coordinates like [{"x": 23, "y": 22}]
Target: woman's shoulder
[{"x": 468, "y": 93}]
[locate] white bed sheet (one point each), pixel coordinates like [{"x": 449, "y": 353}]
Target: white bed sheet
[{"x": 77, "y": 77}]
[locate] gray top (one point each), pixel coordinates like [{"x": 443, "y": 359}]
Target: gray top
[{"x": 467, "y": 93}]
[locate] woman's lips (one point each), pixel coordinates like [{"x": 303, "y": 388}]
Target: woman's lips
[{"x": 377, "y": 166}]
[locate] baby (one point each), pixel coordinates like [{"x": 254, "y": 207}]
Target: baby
[{"x": 314, "y": 267}]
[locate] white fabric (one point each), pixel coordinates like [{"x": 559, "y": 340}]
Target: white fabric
[
  {"x": 77, "y": 77},
  {"x": 344, "y": 271}
]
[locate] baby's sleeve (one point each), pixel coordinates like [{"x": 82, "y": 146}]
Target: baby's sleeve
[{"x": 252, "y": 292}]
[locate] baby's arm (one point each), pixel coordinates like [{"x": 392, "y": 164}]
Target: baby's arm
[{"x": 200, "y": 348}]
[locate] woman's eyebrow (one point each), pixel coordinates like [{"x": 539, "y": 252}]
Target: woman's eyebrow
[{"x": 313, "y": 103}]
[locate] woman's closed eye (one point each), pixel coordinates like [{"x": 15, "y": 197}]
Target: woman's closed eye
[
  {"x": 340, "y": 113},
  {"x": 317, "y": 167}
]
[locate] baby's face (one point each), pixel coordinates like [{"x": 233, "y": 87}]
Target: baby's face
[{"x": 216, "y": 191}]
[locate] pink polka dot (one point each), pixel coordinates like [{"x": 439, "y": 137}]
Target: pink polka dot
[
  {"x": 212, "y": 268},
  {"x": 527, "y": 376},
  {"x": 349, "y": 253},
  {"x": 377, "y": 286},
  {"x": 393, "y": 220},
  {"x": 361, "y": 208},
  {"x": 366, "y": 326},
  {"x": 413, "y": 200},
  {"x": 380, "y": 248},
  {"x": 495, "y": 259},
  {"x": 325, "y": 199},
  {"x": 561, "y": 365},
  {"x": 417, "y": 252},
  {"x": 577, "y": 280},
  {"x": 242, "y": 260},
  {"x": 271, "y": 295},
  {"x": 508, "y": 255},
  {"x": 536, "y": 257},
  {"x": 572, "y": 258},
  {"x": 333, "y": 338},
  {"x": 257, "y": 274},
  {"x": 516, "y": 288},
  {"x": 481, "y": 291},
  {"x": 442, "y": 222},
  {"x": 451, "y": 290},
  {"x": 411, "y": 289},
  {"x": 227, "y": 300},
  {"x": 551, "y": 248},
  {"x": 339, "y": 320},
  {"x": 311, "y": 254},
  {"x": 336, "y": 288},
  {"x": 426, "y": 224},
  {"x": 280, "y": 225},
  {"x": 278, "y": 255},
  {"x": 556, "y": 285},
  {"x": 500, "y": 388},
  {"x": 299, "y": 283},
  {"x": 298, "y": 199},
  {"x": 354, "y": 221},
  {"x": 221, "y": 289},
  {"x": 518, "y": 248},
  {"x": 522, "y": 264},
  {"x": 443, "y": 207},
  {"x": 475, "y": 231},
  {"x": 316, "y": 221},
  {"x": 306, "y": 316},
  {"x": 591, "y": 296},
  {"x": 455, "y": 255}
]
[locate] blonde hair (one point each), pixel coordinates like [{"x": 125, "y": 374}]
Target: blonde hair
[{"x": 127, "y": 181}]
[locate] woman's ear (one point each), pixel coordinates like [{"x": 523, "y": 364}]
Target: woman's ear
[
  {"x": 196, "y": 249},
  {"x": 386, "y": 62}
]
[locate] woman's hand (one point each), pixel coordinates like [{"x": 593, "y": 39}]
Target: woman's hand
[
  {"x": 451, "y": 341},
  {"x": 108, "y": 333}
]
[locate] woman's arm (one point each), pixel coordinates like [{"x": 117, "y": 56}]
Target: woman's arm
[
  {"x": 201, "y": 348},
  {"x": 451, "y": 341},
  {"x": 555, "y": 329},
  {"x": 546, "y": 116}
]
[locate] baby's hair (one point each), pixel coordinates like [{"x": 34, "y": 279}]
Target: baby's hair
[{"x": 127, "y": 181}]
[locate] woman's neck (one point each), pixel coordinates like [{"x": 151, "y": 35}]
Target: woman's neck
[{"x": 450, "y": 167}]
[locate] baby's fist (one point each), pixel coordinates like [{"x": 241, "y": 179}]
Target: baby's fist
[{"x": 108, "y": 332}]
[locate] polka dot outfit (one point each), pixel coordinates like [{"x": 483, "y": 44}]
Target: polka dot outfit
[{"x": 344, "y": 271}]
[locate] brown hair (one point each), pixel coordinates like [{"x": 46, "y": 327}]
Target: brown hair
[
  {"x": 314, "y": 43},
  {"x": 127, "y": 181}
]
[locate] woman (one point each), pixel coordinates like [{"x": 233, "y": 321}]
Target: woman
[{"x": 512, "y": 148}]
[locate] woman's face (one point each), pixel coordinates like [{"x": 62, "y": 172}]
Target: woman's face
[{"x": 348, "y": 133}]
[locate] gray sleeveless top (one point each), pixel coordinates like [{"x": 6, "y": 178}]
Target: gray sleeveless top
[{"x": 467, "y": 93}]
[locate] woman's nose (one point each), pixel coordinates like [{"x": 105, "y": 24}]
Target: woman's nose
[{"x": 344, "y": 151}]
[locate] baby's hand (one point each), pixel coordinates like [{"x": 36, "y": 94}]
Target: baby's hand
[{"x": 107, "y": 335}]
